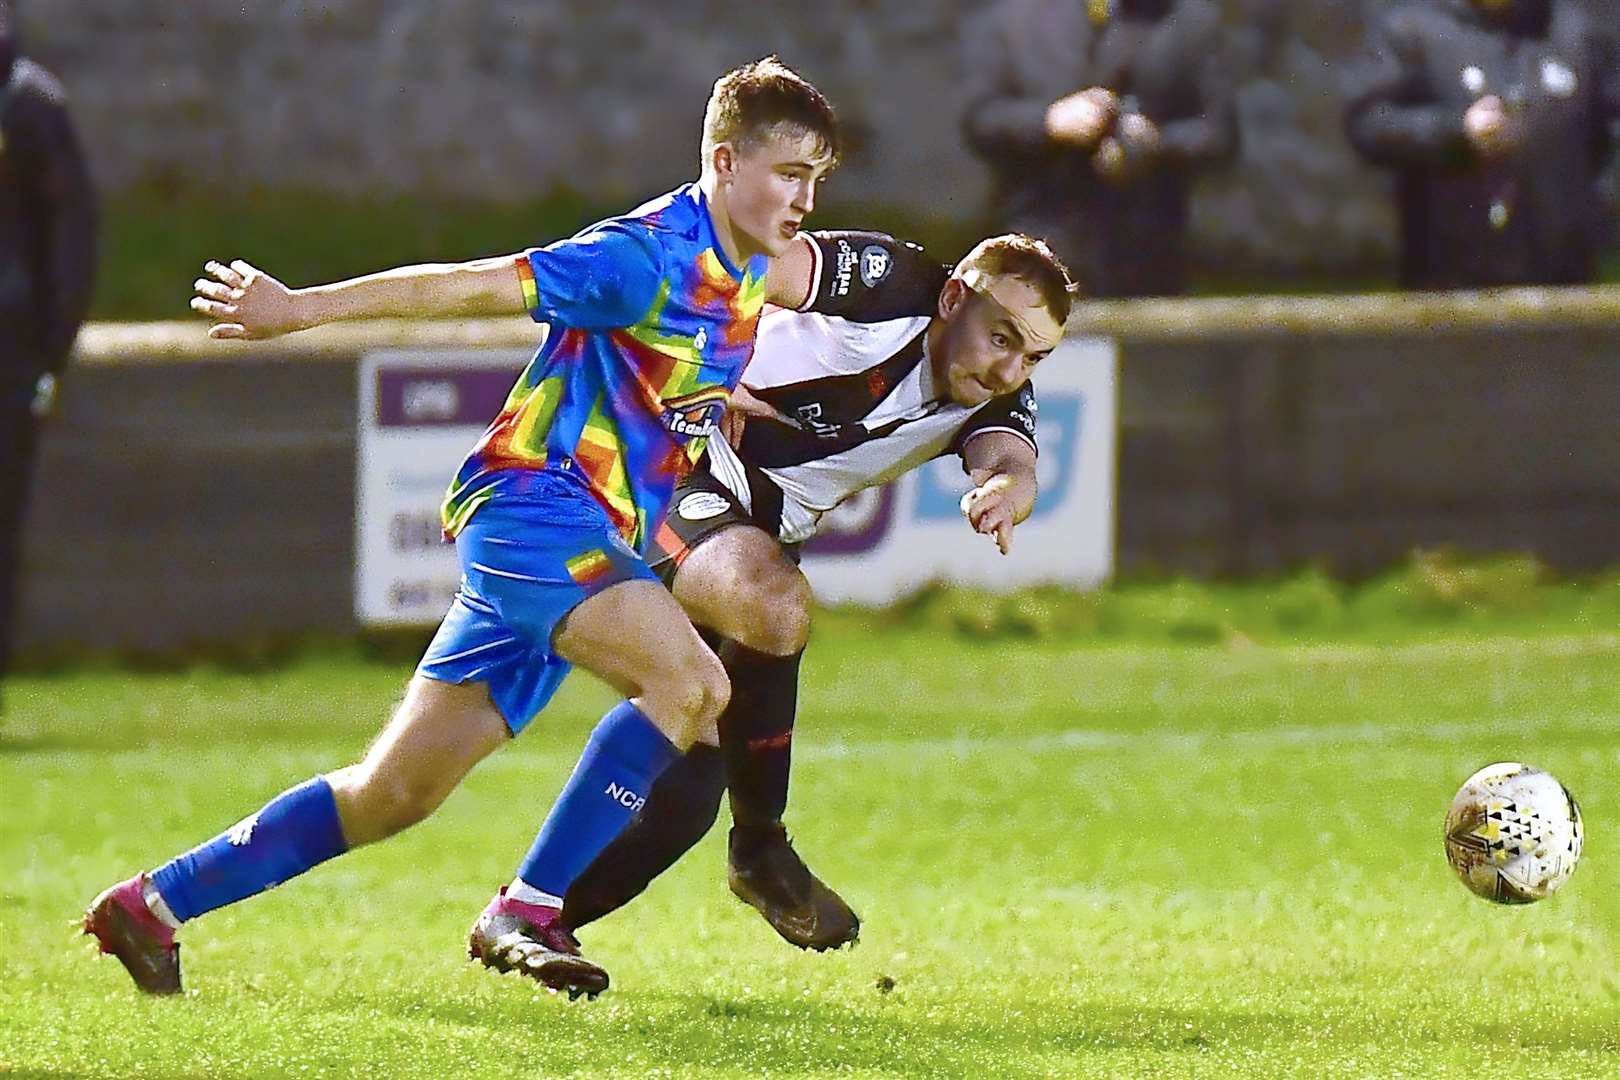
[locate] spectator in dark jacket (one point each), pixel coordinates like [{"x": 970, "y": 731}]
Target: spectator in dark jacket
[
  {"x": 1499, "y": 118},
  {"x": 1094, "y": 116},
  {"x": 47, "y": 262}
]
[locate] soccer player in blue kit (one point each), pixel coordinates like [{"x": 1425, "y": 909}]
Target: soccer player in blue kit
[{"x": 652, "y": 319}]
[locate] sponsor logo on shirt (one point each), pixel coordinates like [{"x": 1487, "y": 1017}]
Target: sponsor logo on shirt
[
  {"x": 875, "y": 265},
  {"x": 809, "y": 417},
  {"x": 696, "y": 416},
  {"x": 697, "y": 423},
  {"x": 702, "y": 505},
  {"x": 844, "y": 260}
]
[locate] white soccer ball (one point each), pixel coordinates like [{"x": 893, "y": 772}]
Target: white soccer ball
[{"x": 1513, "y": 833}]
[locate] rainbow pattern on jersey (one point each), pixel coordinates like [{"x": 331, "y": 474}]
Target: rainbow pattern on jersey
[
  {"x": 624, "y": 403},
  {"x": 589, "y": 568}
]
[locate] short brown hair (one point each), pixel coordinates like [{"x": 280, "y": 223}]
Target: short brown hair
[
  {"x": 749, "y": 102},
  {"x": 1027, "y": 259}
]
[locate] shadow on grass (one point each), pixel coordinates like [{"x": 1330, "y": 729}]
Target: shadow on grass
[
  {"x": 774, "y": 1033},
  {"x": 767, "y": 1034}
]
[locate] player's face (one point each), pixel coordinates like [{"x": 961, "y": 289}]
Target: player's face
[
  {"x": 991, "y": 344},
  {"x": 770, "y": 188}
]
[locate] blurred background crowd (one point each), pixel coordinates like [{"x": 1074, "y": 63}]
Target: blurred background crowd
[{"x": 1303, "y": 144}]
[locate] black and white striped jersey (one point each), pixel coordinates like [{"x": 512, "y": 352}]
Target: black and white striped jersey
[{"x": 850, "y": 369}]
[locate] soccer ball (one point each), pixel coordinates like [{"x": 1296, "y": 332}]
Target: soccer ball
[{"x": 1513, "y": 833}]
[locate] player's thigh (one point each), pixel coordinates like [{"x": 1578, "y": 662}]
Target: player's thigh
[
  {"x": 524, "y": 568},
  {"x": 635, "y": 637},
  {"x": 741, "y": 584},
  {"x": 438, "y": 733}
]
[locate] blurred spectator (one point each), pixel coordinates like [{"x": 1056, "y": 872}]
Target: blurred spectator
[
  {"x": 1093, "y": 116},
  {"x": 47, "y": 263},
  {"x": 1499, "y": 118}
]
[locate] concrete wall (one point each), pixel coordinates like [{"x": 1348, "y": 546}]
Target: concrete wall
[
  {"x": 511, "y": 98},
  {"x": 193, "y": 503},
  {"x": 1243, "y": 457}
]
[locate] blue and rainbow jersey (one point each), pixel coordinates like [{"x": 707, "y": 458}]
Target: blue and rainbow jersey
[{"x": 650, "y": 329}]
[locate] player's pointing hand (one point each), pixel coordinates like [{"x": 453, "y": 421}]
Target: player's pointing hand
[
  {"x": 244, "y": 302},
  {"x": 989, "y": 509}
]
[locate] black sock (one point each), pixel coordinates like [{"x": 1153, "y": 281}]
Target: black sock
[
  {"x": 756, "y": 734},
  {"x": 683, "y": 803}
]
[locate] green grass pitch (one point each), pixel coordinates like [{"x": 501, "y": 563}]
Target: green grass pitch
[{"x": 1106, "y": 859}]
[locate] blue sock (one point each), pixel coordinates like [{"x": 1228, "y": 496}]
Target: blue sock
[
  {"x": 295, "y": 831},
  {"x": 625, "y": 754}
]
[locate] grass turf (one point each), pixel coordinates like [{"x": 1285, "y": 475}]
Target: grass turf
[{"x": 1119, "y": 859}]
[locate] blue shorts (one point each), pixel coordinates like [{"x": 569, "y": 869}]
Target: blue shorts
[{"x": 524, "y": 566}]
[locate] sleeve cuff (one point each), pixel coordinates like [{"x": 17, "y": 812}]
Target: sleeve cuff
[
  {"x": 531, "y": 294},
  {"x": 976, "y": 432}
]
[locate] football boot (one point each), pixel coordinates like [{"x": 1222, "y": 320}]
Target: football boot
[
  {"x": 514, "y": 936},
  {"x": 766, "y": 873},
  {"x": 126, "y": 928}
]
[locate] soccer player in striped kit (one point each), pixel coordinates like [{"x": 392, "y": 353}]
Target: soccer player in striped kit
[
  {"x": 652, "y": 318},
  {"x": 893, "y": 360}
]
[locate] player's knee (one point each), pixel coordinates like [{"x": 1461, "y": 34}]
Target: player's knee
[
  {"x": 781, "y": 626},
  {"x": 693, "y": 694},
  {"x": 685, "y": 696},
  {"x": 708, "y": 695},
  {"x": 716, "y": 691}
]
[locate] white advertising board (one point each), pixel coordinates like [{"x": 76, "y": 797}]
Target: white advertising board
[{"x": 421, "y": 411}]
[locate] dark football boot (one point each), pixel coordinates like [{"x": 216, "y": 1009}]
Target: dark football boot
[{"x": 767, "y": 874}]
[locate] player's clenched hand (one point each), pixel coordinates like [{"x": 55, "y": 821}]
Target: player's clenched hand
[
  {"x": 244, "y": 302},
  {"x": 989, "y": 509},
  {"x": 743, "y": 405},
  {"x": 1123, "y": 155}
]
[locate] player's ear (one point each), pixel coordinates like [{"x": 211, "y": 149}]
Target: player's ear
[
  {"x": 723, "y": 160},
  {"x": 952, "y": 297}
]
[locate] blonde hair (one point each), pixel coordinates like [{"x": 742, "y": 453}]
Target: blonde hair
[{"x": 749, "y": 103}]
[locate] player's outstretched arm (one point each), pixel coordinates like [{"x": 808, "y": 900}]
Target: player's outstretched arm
[
  {"x": 1002, "y": 466},
  {"x": 245, "y": 302}
]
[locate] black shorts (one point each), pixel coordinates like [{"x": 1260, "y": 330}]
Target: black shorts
[{"x": 702, "y": 507}]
